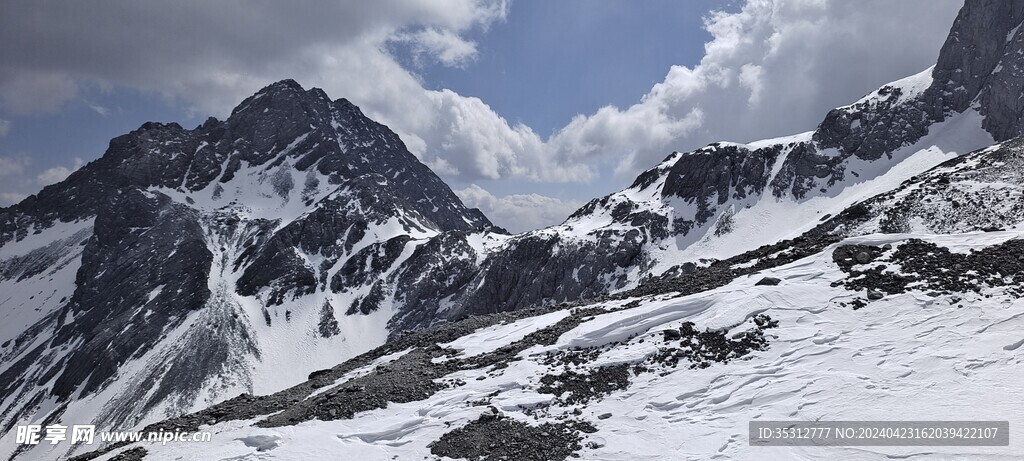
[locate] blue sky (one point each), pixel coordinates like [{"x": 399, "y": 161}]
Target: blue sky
[
  {"x": 526, "y": 108},
  {"x": 552, "y": 60}
]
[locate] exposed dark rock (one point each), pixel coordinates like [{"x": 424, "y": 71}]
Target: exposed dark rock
[
  {"x": 133, "y": 454},
  {"x": 768, "y": 281},
  {"x": 328, "y": 326},
  {"x": 502, "y": 438},
  {"x": 571, "y": 387},
  {"x": 702, "y": 348},
  {"x": 134, "y": 227},
  {"x": 924, "y": 266}
]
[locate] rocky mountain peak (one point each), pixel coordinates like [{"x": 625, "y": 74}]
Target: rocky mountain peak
[
  {"x": 982, "y": 62},
  {"x": 222, "y": 238}
]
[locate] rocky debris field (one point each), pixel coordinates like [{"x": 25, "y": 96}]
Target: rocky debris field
[
  {"x": 702, "y": 348},
  {"x": 134, "y": 454},
  {"x": 919, "y": 265},
  {"x": 494, "y": 437},
  {"x": 577, "y": 388}
]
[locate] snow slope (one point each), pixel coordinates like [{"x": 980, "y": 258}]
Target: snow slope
[{"x": 906, "y": 356}]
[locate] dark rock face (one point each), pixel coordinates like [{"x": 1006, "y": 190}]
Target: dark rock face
[
  {"x": 362, "y": 267},
  {"x": 980, "y": 61},
  {"x": 135, "y": 227},
  {"x": 426, "y": 284},
  {"x": 719, "y": 171},
  {"x": 331, "y": 230},
  {"x": 533, "y": 269},
  {"x": 527, "y": 270}
]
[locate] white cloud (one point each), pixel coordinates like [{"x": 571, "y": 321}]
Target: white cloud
[
  {"x": 518, "y": 212},
  {"x": 226, "y": 51},
  {"x": 444, "y": 45},
  {"x": 10, "y": 198},
  {"x": 58, "y": 173},
  {"x": 103, "y": 111},
  {"x": 772, "y": 68},
  {"x": 35, "y": 92},
  {"x": 5, "y": 127},
  {"x": 466, "y": 133},
  {"x": 13, "y": 165}
]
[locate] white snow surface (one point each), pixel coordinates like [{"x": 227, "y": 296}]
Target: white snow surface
[
  {"x": 26, "y": 302},
  {"x": 909, "y": 87},
  {"x": 493, "y": 337},
  {"x": 905, "y": 357}
]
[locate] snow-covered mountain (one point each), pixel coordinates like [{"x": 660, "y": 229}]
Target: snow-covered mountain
[
  {"x": 297, "y": 254},
  {"x": 852, "y": 320},
  {"x": 727, "y": 198},
  {"x": 188, "y": 266},
  {"x": 919, "y": 323}
]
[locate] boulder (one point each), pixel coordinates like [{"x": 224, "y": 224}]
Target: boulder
[{"x": 769, "y": 281}]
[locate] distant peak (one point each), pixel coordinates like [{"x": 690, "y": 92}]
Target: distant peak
[
  {"x": 287, "y": 83},
  {"x": 983, "y": 41},
  {"x": 159, "y": 126},
  {"x": 348, "y": 106},
  {"x": 281, "y": 87},
  {"x": 285, "y": 91}
]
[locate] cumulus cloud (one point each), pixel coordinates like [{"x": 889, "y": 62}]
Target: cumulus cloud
[
  {"x": 35, "y": 92},
  {"x": 774, "y": 67},
  {"x": 58, "y": 173},
  {"x": 10, "y": 198},
  {"x": 518, "y": 212},
  {"x": 13, "y": 165},
  {"x": 212, "y": 56},
  {"x": 466, "y": 133},
  {"x": 771, "y": 68},
  {"x": 444, "y": 45}
]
